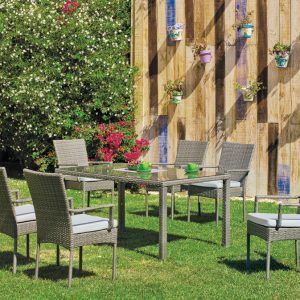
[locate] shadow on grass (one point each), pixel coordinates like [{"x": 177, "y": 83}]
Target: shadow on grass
[
  {"x": 135, "y": 238},
  {"x": 6, "y": 260},
  {"x": 55, "y": 273},
  {"x": 153, "y": 212},
  {"x": 204, "y": 218}
]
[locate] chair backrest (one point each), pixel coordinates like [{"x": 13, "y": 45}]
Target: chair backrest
[
  {"x": 71, "y": 152},
  {"x": 8, "y": 222},
  {"x": 51, "y": 207},
  {"x": 190, "y": 152},
  {"x": 236, "y": 156}
]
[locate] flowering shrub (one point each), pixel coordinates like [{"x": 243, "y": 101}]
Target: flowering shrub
[{"x": 62, "y": 63}]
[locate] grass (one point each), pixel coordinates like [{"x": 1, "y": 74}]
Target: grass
[{"x": 197, "y": 266}]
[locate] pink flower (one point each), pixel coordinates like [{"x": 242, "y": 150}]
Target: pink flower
[
  {"x": 70, "y": 6},
  {"x": 115, "y": 139},
  {"x": 100, "y": 137},
  {"x": 132, "y": 156},
  {"x": 101, "y": 126}
]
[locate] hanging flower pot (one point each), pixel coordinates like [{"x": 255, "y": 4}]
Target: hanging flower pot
[
  {"x": 175, "y": 32},
  {"x": 205, "y": 56},
  {"x": 250, "y": 90},
  {"x": 174, "y": 89},
  {"x": 202, "y": 51},
  {"x": 282, "y": 54},
  {"x": 177, "y": 97},
  {"x": 247, "y": 30}
]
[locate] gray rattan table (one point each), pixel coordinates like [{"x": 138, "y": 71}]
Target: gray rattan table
[{"x": 161, "y": 178}]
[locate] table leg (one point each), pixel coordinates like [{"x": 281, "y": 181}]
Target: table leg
[
  {"x": 121, "y": 206},
  {"x": 163, "y": 235},
  {"x": 226, "y": 213}
]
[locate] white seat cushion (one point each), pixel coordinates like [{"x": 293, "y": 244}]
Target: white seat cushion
[
  {"x": 217, "y": 184},
  {"x": 87, "y": 223},
  {"x": 269, "y": 220},
  {"x": 24, "y": 213}
]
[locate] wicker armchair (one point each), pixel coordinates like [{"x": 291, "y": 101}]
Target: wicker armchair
[
  {"x": 187, "y": 152},
  {"x": 15, "y": 220},
  {"x": 70, "y": 228},
  {"x": 274, "y": 227},
  {"x": 73, "y": 153},
  {"x": 235, "y": 159}
]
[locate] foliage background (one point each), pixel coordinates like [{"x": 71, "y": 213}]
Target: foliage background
[{"x": 58, "y": 71}]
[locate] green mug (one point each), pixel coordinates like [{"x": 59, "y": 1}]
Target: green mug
[
  {"x": 192, "y": 167},
  {"x": 144, "y": 166}
]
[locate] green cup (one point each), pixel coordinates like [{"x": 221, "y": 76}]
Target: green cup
[
  {"x": 144, "y": 166},
  {"x": 192, "y": 167}
]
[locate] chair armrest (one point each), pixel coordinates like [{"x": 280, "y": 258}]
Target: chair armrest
[
  {"x": 71, "y": 202},
  {"x": 16, "y": 192},
  {"x": 284, "y": 197},
  {"x": 25, "y": 200},
  {"x": 280, "y": 208},
  {"x": 89, "y": 209}
]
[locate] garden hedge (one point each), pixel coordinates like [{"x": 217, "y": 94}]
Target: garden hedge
[{"x": 62, "y": 64}]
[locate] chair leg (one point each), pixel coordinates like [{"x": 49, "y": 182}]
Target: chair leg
[
  {"x": 89, "y": 199},
  {"x": 268, "y": 259},
  {"x": 83, "y": 198},
  {"x": 248, "y": 251},
  {"x": 27, "y": 246},
  {"x": 112, "y": 195},
  {"x": 244, "y": 206},
  {"x": 172, "y": 204},
  {"x": 57, "y": 255},
  {"x": 80, "y": 258},
  {"x": 199, "y": 206},
  {"x": 70, "y": 268},
  {"x": 114, "y": 268},
  {"x": 147, "y": 203},
  {"x": 15, "y": 255},
  {"x": 188, "y": 208},
  {"x": 297, "y": 254},
  {"x": 37, "y": 260},
  {"x": 217, "y": 210}
]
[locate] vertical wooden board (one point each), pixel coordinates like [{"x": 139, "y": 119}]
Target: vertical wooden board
[
  {"x": 273, "y": 144},
  {"x": 210, "y": 82},
  {"x": 161, "y": 56},
  {"x": 138, "y": 60},
  {"x": 241, "y": 60},
  {"x": 295, "y": 92},
  {"x": 230, "y": 70},
  {"x": 262, "y": 159},
  {"x": 220, "y": 74},
  {"x": 189, "y": 16},
  {"x": 163, "y": 138},
  {"x": 284, "y": 160},
  {"x": 273, "y": 37},
  {"x": 172, "y": 109},
  {"x": 262, "y": 60}
]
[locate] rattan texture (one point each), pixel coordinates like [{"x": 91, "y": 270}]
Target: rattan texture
[
  {"x": 233, "y": 157},
  {"x": 187, "y": 152},
  {"x": 8, "y": 223},
  {"x": 53, "y": 215},
  {"x": 73, "y": 153}
]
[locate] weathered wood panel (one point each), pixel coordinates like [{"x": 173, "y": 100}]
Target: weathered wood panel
[{"x": 212, "y": 109}]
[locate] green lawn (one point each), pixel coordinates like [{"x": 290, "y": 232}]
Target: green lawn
[{"x": 197, "y": 266}]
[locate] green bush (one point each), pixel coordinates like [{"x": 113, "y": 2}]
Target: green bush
[{"x": 60, "y": 69}]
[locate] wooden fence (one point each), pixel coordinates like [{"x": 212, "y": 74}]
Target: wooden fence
[{"x": 212, "y": 109}]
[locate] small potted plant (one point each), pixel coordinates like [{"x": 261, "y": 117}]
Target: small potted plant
[
  {"x": 282, "y": 54},
  {"x": 246, "y": 26},
  {"x": 175, "y": 32},
  {"x": 204, "y": 53},
  {"x": 174, "y": 89},
  {"x": 250, "y": 90}
]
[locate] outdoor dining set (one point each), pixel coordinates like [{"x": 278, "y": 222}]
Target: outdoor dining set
[{"x": 54, "y": 219}]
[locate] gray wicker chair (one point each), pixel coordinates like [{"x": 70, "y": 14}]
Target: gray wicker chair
[
  {"x": 15, "y": 220},
  {"x": 70, "y": 228},
  {"x": 274, "y": 227},
  {"x": 235, "y": 159},
  {"x": 73, "y": 153},
  {"x": 187, "y": 152}
]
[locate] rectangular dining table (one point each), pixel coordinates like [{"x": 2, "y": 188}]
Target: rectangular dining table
[{"x": 161, "y": 177}]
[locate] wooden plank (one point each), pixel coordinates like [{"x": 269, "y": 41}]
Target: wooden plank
[
  {"x": 283, "y": 180},
  {"x": 295, "y": 92},
  {"x": 262, "y": 159},
  {"x": 273, "y": 144},
  {"x": 189, "y": 16},
  {"x": 230, "y": 70}
]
